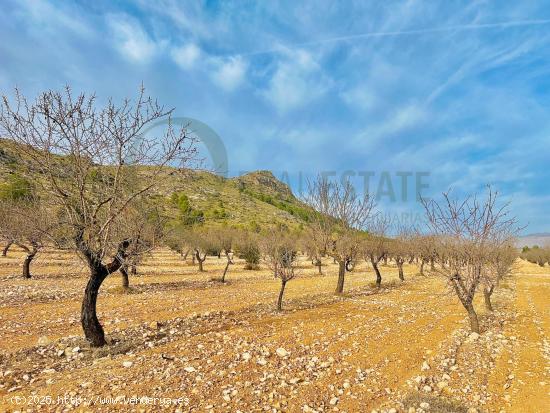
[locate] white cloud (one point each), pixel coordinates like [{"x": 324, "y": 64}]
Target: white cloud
[
  {"x": 298, "y": 80},
  {"x": 400, "y": 120},
  {"x": 360, "y": 97},
  {"x": 229, "y": 73},
  {"x": 186, "y": 56},
  {"x": 131, "y": 40},
  {"x": 52, "y": 17}
]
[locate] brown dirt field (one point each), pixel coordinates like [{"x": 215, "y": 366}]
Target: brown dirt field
[{"x": 182, "y": 335}]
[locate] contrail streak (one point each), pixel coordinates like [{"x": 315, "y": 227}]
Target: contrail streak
[{"x": 360, "y": 36}]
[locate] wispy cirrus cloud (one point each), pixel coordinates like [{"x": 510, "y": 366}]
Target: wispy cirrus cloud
[{"x": 131, "y": 39}]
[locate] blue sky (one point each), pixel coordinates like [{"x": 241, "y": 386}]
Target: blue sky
[{"x": 458, "y": 90}]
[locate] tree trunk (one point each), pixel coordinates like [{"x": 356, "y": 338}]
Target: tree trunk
[
  {"x": 341, "y": 277},
  {"x": 200, "y": 260},
  {"x": 27, "y": 264},
  {"x": 280, "y": 299},
  {"x": 474, "y": 324},
  {"x": 90, "y": 324},
  {"x": 6, "y": 248},
  {"x": 225, "y": 269},
  {"x": 378, "y": 275},
  {"x": 432, "y": 264},
  {"x": 133, "y": 269},
  {"x": 422, "y": 267},
  {"x": 319, "y": 263},
  {"x": 400, "y": 267},
  {"x": 125, "y": 279},
  {"x": 386, "y": 260},
  {"x": 487, "y": 296}
]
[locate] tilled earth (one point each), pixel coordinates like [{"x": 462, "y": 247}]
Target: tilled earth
[{"x": 182, "y": 341}]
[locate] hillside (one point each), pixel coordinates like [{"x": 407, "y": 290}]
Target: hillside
[
  {"x": 252, "y": 200},
  {"x": 530, "y": 240}
]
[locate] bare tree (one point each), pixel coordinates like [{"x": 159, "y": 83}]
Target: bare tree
[
  {"x": 503, "y": 255},
  {"x": 467, "y": 231},
  {"x": 280, "y": 253},
  {"x": 27, "y": 225},
  {"x": 145, "y": 228},
  {"x": 376, "y": 245},
  {"x": 222, "y": 240},
  {"x": 96, "y": 164},
  {"x": 341, "y": 212},
  {"x": 400, "y": 248}
]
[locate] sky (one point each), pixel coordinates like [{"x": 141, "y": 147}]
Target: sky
[{"x": 413, "y": 95}]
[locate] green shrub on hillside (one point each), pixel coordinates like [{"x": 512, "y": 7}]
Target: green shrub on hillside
[{"x": 15, "y": 188}]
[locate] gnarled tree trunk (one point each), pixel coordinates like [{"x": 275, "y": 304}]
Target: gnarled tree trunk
[
  {"x": 200, "y": 260},
  {"x": 400, "y": 268},
  {"x": 280, "y": 299},
  {"x": 374, "y": 263},
  {"x": 341, "y": 276},
  {"x": 472, "y": 315},
  {"x": 93, "y": 330},
  {"x": 125, "y": 278},
  {"x": 229, "y": 262},
  {"x": 6, "y": 248},
  {"x": 27, "y": 264}
]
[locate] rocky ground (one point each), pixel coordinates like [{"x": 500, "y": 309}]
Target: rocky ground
[{"x": 182, "y": 341}]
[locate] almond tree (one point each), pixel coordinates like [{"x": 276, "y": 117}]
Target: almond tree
[
  {"x": 467, "y": 231},
  {"x": 400, "y": 249},
  {"x": 27, "y": 225},
  {"x": 96, "y": 164},
  {"x": 376, "y": 246},
  {"x": 341, "y": 213},
  {"x": 222, "y": 240},
  {"x": 144, "y": 226},
  {"x": 503, "y": 255},
  {"x": 315, "y": 248},
  {"x": 280, "y": 254}
]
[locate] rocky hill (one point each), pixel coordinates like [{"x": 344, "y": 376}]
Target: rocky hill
[{"x": 254, "y": 199}]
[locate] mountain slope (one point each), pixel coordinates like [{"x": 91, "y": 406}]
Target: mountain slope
[{"x": 254, "y": 199}]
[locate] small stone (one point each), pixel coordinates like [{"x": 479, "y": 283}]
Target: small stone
[
  {"x": 472, "y": 410},
  {"x": 392, "y": 410},
  {"x": 76, "y": 350},
  {"x": 334, "y": 401},
  {"x": 427, "y": 389},
  {"x": 154, "y": 325},
  {"x": 425, "y": 366},
  {"x": 127, "y": 364},
  {"x": 281, "y": 352},
  {"x": 425, "y": 405},
  {"x": 261, "y": 361},
  {"x": 246, "y": 356},
  {"x": 473, "y": 336},
  {"x": 442, "y": 384},
  {"x": 44, "y": 341},
  {"x": 189, "y": 369}
]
